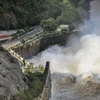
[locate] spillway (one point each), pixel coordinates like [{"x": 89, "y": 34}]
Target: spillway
[{"x": 75, "y": 68}]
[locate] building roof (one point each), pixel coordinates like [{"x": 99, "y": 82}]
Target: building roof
[
  {"x": 4, "y": 37},
  {"x": 64, "y": 26}
]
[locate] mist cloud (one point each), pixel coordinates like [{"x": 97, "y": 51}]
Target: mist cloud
[{"x": 81, "y": 54}]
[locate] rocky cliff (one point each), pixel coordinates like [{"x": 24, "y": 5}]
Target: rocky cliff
[{"x": 12, "y": 80}]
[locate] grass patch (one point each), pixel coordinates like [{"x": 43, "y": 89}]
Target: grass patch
[{"x": 35, "y": 87}]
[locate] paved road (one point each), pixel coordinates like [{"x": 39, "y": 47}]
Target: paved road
[{"x": 37, "y": 30}]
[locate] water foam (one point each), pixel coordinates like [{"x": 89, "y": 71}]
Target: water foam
[{"x": 81, "y": 55}]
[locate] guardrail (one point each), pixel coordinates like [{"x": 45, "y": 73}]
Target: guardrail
[
  {"x": 38, "y": 37},
  {"x": 25, "y": 64}
]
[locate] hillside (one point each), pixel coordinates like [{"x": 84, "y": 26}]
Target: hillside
[
  {"x": 20, "y": 13},
  {"x": 12, "y": 80}
]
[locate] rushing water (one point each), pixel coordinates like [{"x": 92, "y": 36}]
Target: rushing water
[{"x": 75, "y": 68}]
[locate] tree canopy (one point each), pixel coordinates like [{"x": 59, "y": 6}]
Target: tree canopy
[
  {"x": 49, "y": 24},
  {"x": 20, "y": 13}
]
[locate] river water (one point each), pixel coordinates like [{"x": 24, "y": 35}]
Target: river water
[{"x": 75, "y": 68}]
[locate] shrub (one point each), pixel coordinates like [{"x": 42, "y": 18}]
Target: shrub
[
  {"x": 0, "y": 61},
  {"x": 1, "y": 48},
  {"x": 14, "y": 36},
  {"x": 64, "y": 31},
  {"x": 35, "y": 87},
  {"x": 23, "y": 41},
  {"x": 49, "y": 24},
  {"x": 27, "y": 28},
  {"x": 12, "y": 60},
  {"x": 18, "y": 32}
]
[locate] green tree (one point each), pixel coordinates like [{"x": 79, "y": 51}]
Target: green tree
[
  {"x": 21, "y": 13},
  {"x": 1, "y": 48},
  {"x": 69, "y": 17},
  {"x": 49, "y": 25},
  {"x": 23, "y": 41}
]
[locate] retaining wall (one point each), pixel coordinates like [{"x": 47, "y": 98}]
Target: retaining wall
[
  {"x": 35, "y": 47},
  {"x": 46, "y": 79},
  {"x": 29, "y": 50},
  {"x": 45, "y": 95}
]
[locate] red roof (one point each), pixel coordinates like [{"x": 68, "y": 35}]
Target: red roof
[{"x": 4, "y": 36}]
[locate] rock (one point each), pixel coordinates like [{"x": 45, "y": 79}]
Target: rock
[
  {"x": 88, "y": 85},
  {"x": 64, "y": 81},
  {"x": 12, "y": 80},
  {"x": 87, "y": 76}
]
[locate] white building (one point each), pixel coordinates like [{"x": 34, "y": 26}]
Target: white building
[{"x": 61, "y": 27}]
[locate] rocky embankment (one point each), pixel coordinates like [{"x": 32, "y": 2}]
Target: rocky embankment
[{"x": 12, "y": 80}]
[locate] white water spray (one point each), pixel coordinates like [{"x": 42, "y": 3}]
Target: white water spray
[{"x": 81, "y": 56}]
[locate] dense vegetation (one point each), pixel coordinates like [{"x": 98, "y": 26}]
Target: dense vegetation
[
  {"x": 35, "y": 87},
  {"x": 20, "y": 13},
  {"x": 1, "y": 48}
]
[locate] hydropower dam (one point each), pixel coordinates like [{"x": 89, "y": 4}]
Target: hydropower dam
[{"x": 75, "y": 68}]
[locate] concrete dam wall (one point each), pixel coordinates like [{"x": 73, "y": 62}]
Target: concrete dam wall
[
  {"x": 37, "y": 46},
  {"x": 34, "y": 48},
  {"x": 46, "y": 92}
]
